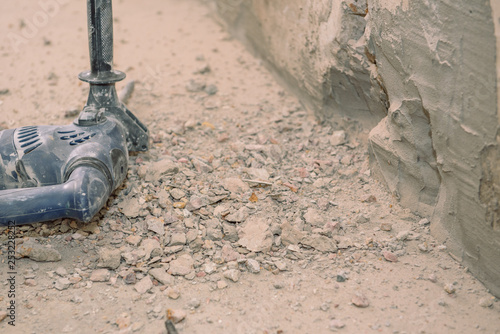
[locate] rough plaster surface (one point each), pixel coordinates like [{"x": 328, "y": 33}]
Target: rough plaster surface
[{"x": 421, "y": 77}]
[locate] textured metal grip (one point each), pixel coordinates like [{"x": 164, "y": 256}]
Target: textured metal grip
[{"x": 100, "y": 25}]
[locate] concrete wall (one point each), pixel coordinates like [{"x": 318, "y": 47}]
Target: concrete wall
[{"x": 421, "y": 77}]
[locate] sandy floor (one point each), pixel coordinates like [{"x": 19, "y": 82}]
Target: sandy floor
[{"x": 216, "y": 113}]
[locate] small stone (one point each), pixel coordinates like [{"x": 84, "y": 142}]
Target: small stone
[
  {"x": 336, "y": 324},
  {"x": 181, "y": 266},
  {"x": 341, "y": 278},
  {"x": 390, "y": 256},
  {"x": 314, "y": 217},
  {"x": 62, "y": 284},
  {"x": 424, "y": 221},
  {"x": 320, "y": 242},
  {"x": 449, "y": 288},
  {"x": 194, "y": 86},
  {"x": 432, "y": 278},
  {"x": 337, "y": 138},
  {"x": 156, "y": 225},
  {"x": 281, "y": 265},
  {"x": 130, "y": 278},
  {"x": 133, "y": 239},
  {"x": 123, "y": 321},
  {"x": 211, "y": 89},
  {"x": 177, "y": 239},
  {"x": 324, "y": 307},
  {"x": 151, "y": 248},
  {"x": 30, "y": 282},
  {"x": 61, "y": 271},
  {"x": 37, "y": 252},
  {"x": 77, "y": 299},
  {"x": 194, "y": 303},
  {"x": 290, "y": 235},
  {"x": 210, "y": 267},
  {"x": 423, "y": 247},
  {"x": 386, "y": 227},
  {"x": 100, "y": 275},
  {"x": 362, "y": 219},
  {"x": 177, "y": 193},
  {"x": 173, "y": 292},
  {"x": 229, "y": 254},
  {"x": 130, "y": 207},
  {"x": 360, "y": 300},
  {"x": 232, "y": 274},
  {"x": 221, "y": 285},
  {"x": 157, "y": 169},
  {"x": 109, "y": 258},
  {"x": 238, "y": 216},
  {"x": 403, "y": 235},
  {"x": 176, "y": 315},
  {"x": 161, "y": 275},
  {"x": 91, "y": 228},
  {"x": 486, "y": 302},
  {"x": 144, "y": 285},
  {"x": 253, "y": 266},
  {"x": 235, "y": 185},
  {"x": 255, "y": 235},
  {"x": 203, "y": 69}
]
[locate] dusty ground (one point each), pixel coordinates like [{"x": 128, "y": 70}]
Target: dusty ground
[{"x": 310, "y": 248}]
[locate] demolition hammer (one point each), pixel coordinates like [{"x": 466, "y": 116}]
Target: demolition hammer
[{"x": 52, "y": 172}]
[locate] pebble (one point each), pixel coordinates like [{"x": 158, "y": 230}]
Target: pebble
[
  {"x": 3, "y": 315},
  {"x": 338, "y": 138},
  {"x": 255, "y": 235},
  {"x": 153, "y": 171},
  {"x": 390, "y": 256},
  {"x": 253, "y": 266},
  {"x": 211, "y": 89},
  {"x": 238, "y": 216},
  {"x": 151, "y": 248},
  {"x": 123, "y": 321},
  {"x": 144, "y": 285},
  {"x": 177, "y": 193},
  {"x": 221, "y": 284},
  {"x": 134, "y": 240},
  {"x": 423, "y": 247},
  {"x": 130, "y": 278},
  {"x": 173, "y": 292},
  {"x": 61, "y": 271},
  {"x": 62, "y": 284},
  {"x": 156, "y": 225},
  {"x": 314, "y": 217},
  {"x": 320, "y": 243},
  {"x": 181, "y": 266},
  {"x": 161, "y": 275},
  {"x": 486, "y": 302},
  {"x": 176, "y": 315},
  {"x": 177, "y": 239},
  {"x": 37, "y": 252},
  {"x": 194, "y": 303},
  {"x": 449, "y": 288},
  {"x": 210, "y": 267},
  {"x": 130, "y": 207},
  {"x": 403, "y": 235},
  {"x": 109, "y": 258},
  {"x": 232, "y": 274},
  {"x": 336, "y": 324},
  {"x": 228, "y": 253},
  {"x": 235, "y": 185},
  {"x": 386, "y": 227},
  {"x": 360, "y": 300},
  {"x": 100, "y": 275}
]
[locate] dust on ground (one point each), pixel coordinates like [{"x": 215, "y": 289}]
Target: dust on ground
[{"x": 246, "y": 216}]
